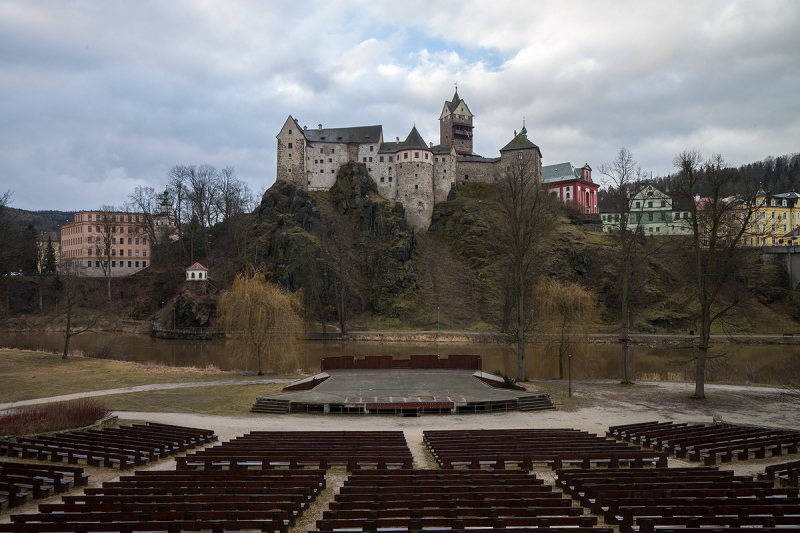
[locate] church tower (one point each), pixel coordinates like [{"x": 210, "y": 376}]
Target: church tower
[{"x": 455, "y": 126}]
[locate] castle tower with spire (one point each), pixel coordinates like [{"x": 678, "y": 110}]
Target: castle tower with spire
[{"x": 455, "y": 126}]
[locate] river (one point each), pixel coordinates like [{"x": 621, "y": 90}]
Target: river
[{"x": 742, "y": 363}]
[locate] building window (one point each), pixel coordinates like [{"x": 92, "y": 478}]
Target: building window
[
  {"x": 381, "y": 179},
  {"x": 90, "y": 229},
  {"x": 137, "y": 240},
  {"x": 390, "y": 179},
  {"x": 426, "y": 155},
  {"x": 365, "y": 160},
  {"x": 380, "y": 159},
  {"x": 137, "y": 253},
  {"x": 663, "y": 216},
  {"x": 333, "y": 151},
  {"x": 391, "y": 158},
  {"x": 416, "y": 186},
  {"x": 90, "y": 240},
  {"x": 416, "y": 155},
  {"x": 663, "y": 203},
  {"x": 370, "y": 159},
  {"x": 405, "y": 155},
  {"x": 90, "y": 218},
  {"x": 89, "y": 251},
  {"x": 567, "y": 196},
  {"x": 290, "y": 132},
  {"x": 129, "y": 264},
  {"x": 144, "y": 253},
  {"x": 332, "y": 172},
  {"x": 638, "y": 217},
  {"x": 508, "y": 169},
  {"x": 321, "y": 151},
  {"x": 435, "y": 159},
  {"x": 192, "y": 275},
  {"x": 137, "y": 264},
  {"x": 371, "y": 148},
  {"x": 650, "y": 205},
  {"x": 290, "y": 145},
  {"x": 113, "y": 264},
  {"x": 466, "y": 176},
  {"x": 89, "y": 263},
  {"x": 638, "y": 205},
  {"x": 322, "y": 171}
]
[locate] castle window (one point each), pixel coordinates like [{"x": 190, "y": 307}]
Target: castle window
[
  {"x": 435, "y": 159},
  {"x": 381, "y": 179},
  {"x": 405, "y": 155},
  {"x": 390, "y": 179},
  {"x": 290, "y": 132},
  {"x": 320, "y": 151},
  {"x": 381, "y": 159},
  {"x": 365, "y": 160},
  {"x": 466, "y": 176},
  {"x": 371, "y": 148},
  {"x": 508, "y": 169},
  {"x": 89, "y": 263},
  {"x": 290, "y": 155},
  {"x": 370, "y": 160},
  {"x": 416, "y": 186},
  {"x": 416, "y": 176},
  {"x": 390, "y": 169},
  {"x": 321, "y": 171},
  {"x": 426, "y": 156},
  {"x": 290, "y": 145},
  {"x": 332, "y": 172},
  {"x": 650, "y": 217},
  {"x": 333, "y": 150},
  {"x": 316, "y": 161},
  {"x": 330, "y": 160},
  {"x": 445, "y": 171},
  {"x": 416, "y": 155},
  {"x": 391, "y": 158}
]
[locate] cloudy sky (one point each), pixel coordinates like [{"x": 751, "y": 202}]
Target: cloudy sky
[{"x": 97, "y": 97}]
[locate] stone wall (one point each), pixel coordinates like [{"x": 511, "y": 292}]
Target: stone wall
[
  {"x": 444, "y": 176},
  {"x": 323, "y": 161},
  {"x": 415, "y": 192},
  {"x": 475, "y": 171}
]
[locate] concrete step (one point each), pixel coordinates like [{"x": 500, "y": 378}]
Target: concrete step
[
  {"x": 272, "y": 406},
  {"x": 539, "y": 402}
]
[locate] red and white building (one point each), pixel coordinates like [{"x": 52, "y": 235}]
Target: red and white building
[{"x": 572, "y": 185}]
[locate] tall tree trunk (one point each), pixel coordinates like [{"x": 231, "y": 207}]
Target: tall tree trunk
[
  {"x": 702, "y": 355},
  {"x": 108, "y": 278},
  {"x": 522, "y": 370},
  {"x": 67, "y": 331},
  {"x": 625, "y": 324}
]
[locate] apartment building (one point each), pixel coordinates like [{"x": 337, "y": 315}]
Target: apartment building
[{"x": 97, "y": 241}]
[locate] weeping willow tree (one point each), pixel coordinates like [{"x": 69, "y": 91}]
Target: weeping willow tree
[
  {"x": 566, "y": 313},
  {"x": 262, "y": 319}
]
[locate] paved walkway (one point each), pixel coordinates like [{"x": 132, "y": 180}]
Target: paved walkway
[{"x": 142, "y": 388}]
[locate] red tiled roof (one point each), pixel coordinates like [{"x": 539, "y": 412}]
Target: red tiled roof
[{"x": 197, "y": 266}]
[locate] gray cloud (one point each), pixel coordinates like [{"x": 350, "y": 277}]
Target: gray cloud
[{"x": 98, "y": 97}]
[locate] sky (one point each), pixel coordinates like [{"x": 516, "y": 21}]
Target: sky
[{"x": 98, "y": 97}]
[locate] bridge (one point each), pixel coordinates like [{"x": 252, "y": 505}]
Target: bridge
[{"x": 786, "y": 255}]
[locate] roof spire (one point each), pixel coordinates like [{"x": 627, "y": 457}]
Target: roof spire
[
  {"x": 456, "y": 98},
  {"x": 523, "y": 131}
]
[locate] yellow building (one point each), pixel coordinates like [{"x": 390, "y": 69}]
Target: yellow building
[{"x": 775, "y": 216}]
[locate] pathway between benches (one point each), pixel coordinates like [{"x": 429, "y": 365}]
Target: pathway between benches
[{"x": 142, "y": 388}]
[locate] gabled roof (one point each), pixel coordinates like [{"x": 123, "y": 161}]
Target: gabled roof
[
  {"x": 559, "y": 172},
  {"x": 197, "y": 266},
  {"x": 520, "y": 142},
  {"x": 441, "y": 150},
  {"x": 359, "y": 134},
  {"x": 453, "y": 104},
  {"x": 414, "y": 141}
]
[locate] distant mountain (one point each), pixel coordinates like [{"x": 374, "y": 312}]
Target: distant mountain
[{"x": 43, "y": 220}]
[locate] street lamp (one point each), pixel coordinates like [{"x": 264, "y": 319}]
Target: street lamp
[{"x": 569, "y": 365}]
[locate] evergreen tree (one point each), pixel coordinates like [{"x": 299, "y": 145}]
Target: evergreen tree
[{"x": 49, "y": 257}]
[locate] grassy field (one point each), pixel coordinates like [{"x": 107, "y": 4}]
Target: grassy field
[
  {"x": 221, "y": 400},
  {"x": 27, "y": 375}
]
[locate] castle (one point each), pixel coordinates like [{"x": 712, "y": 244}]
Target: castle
[{"x": 414, "y": 173}]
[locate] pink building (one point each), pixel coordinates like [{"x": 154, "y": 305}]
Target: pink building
[{"x": 86, "y": 249}]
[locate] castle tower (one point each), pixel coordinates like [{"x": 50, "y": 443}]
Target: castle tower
[
  {"x": 415, "y": 179},
  {"x": 455, "y": 126}
]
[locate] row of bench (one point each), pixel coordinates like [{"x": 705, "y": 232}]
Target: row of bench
[
  {"x": 452, "y": 501},
  {"x": 264, "y": 500},
  {"x": 785, "y": 473},
  {"x": 703, "y": 497},
  {"x": 524, "y": 447},
  {"x": 698, "y": 442},
  {"x": 20, "y": 480},
  {"x": 123, "y": 447},
  {"x": 297, "y": 449}
]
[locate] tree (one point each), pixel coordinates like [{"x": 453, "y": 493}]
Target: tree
[
  {"x": 145, "y": 200},
  {"x": 262, "y": 317},
  {"x": 107, "y": 227},
  {"x": 525, "y": 221},
  {"x": 72, "y": 295},
  {"x": 49, "y": 261},
  {"x": 566, "y": 311},
  {"x": 718, "y": 223},
  {"x": 623, "y": 175}
]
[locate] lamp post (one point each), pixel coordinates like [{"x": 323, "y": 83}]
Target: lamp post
[
  {"x": 437, "y": 319},
  {"x": 569, "y": 365}
]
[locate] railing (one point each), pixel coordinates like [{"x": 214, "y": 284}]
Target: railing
[{"x": 349, "y": 362}]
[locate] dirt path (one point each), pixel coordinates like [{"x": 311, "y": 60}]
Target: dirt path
[{"x": 141, "y": 388}]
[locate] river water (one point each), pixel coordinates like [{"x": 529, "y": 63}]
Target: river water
[{"x": 741, "y": 363}]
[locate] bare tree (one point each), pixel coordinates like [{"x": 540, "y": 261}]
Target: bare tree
[
  {"x": 178, "y": 177},
  {"x": 524, "y": 224},
  {"x": 73, "y": 294},
  {"x": 105, "y": 238},
  {"x": 720, "y": 216},
  {"x": 622, "y": 175},
  {"x": 235, "y": 196}
]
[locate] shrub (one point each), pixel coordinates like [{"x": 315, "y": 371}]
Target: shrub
[
  {"x": 106, "y": 347},
  {"x": 52, "y": 417},
  {"x": 508, "y": 382}
]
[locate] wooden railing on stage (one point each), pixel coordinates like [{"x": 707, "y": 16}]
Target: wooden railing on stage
[{"x": 349, "y": 362}]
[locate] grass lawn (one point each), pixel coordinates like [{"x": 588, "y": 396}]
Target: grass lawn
[
  {"x": 228, "y": 400},
  {"x": 27, "y": 375}
]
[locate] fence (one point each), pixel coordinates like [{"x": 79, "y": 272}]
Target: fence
[{"x": 349, "y": 362}]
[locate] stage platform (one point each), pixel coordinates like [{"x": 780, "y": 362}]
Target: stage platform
[{"x": 409, "y": 392}]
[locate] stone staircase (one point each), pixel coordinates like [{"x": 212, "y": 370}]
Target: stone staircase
[
  {"x": 539, "y": 402},
  {"x": 270, "y": 406}
]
